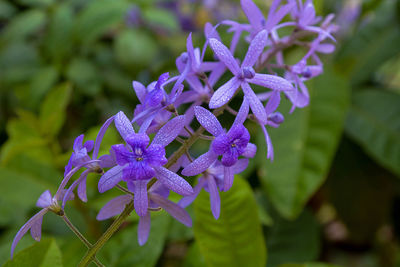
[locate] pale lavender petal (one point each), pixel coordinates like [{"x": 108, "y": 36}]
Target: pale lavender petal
[
  {"x": 141, "y": 201},
  {"x": 89, "y": 144},
  {"x": 24, "y": 229},
  {"x": 112, "y": 177},
  {"x": 60, "y": 197},
  {"x": 140, "y": 91},
  {"x": 77, "y": 182},
  {"x": 172, "y": 208},
  {"x": 208, "y": 120},
  {"x": 240, "y": 166},
  {"x": 200, "y": 164},
  {"x": 169, "y": 131},
  {"x": 82, "y": 188},
  {"x": 100, "y": 136},
  {"x": 144, "y": 228},
  {"x": 108, "y": 161},
  {"x": 44, "y": 200},
  {"x": 250, "y": 150},
  {"x": 210, "y": 31},
  {"x": 36, "y": 229},
  {"x": 253, "y": 14},
  {"x": 275, "y": 18},
  {"x": 216, "y": 74},
  {"x": 273, "y": 102},
  {"x": 173, "y": 181},
  {"x": 78, "y": 143},
  {"x": 255, "y": 103},
  {"x": 114, "y": 207},
  {"x": 255, "y": 49},
  {"x": 224, "y": 55},
  {"x": 224, "y": 93},
  {"x": 325, "y": 48},
  {"x": 228, "y": 178},
  {"x": 270, "y": 149},
  {"x": 242, "y": 113},
  {"x": 123, "y": 125},
  {"x": 271, "y": 81},
  {"x": 186, "y": 201},
  {"x": 215, "y": 200}
]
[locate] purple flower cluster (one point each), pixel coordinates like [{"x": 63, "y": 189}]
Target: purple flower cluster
[{"x": 171, "y": 106}]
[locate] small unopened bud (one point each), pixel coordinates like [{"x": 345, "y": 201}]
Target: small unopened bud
[
  {"x": 307, "y": 73},
  {"x": 276, "y": 117},
  {"x": 247, "y": 73},
  {"x": 184, "y": 57}
]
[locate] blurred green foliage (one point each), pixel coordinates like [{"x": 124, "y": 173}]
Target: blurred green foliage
[{"x": 331, "y": 195}]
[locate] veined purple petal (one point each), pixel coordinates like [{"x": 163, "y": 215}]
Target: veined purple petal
[
  {"x": 200, "y": 164},
  {"x": 215, "y": 200},
  {"x": 144, "y": 228},
  {"x": 186, "y": 201},
  {"x": 250, "y": 150},
  {"x": 82, "y": 187},
  {"x": 208, "y": 120},
  {"x": 169, "y": 131},
  {"x": 242, "y": 113},
  {"x": 89, "y": 144},
  {"x": 78, "y": 143},
  {"x": 141, "y": 201},
  {"x": 44, "y": 200},
  {"x": 36, "y": 229},
  {"x": 100, "y": 136},
  {"x": 273, "y": 102},
  {"x": 224, "y": 93},
  {"x": 270, "y": 149},
  {"x": 114, "y": 207},
  {"x": 140, "y": 91},
  {"x": 112, "y": 177},
  {"x": 271, "y": 81},
  {"x": 173, "y": 181},
  {"x": 123, "y": 125},
  {"x": 253, "y": 14},
  {"x": 175, "y": 210},
  {"x": 228, "y": 178},
  {"x": 240, "y": 166},
  {"x": 224, "y": 55},
  {"x": 255, "y": 103},
  {"x": 108, "y": 161},
  {"x": 24, "y": 229},
  {"x": 255, "y": 49}
]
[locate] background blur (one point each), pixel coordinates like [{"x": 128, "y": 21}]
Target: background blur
[{"x": 331, "y": 195}]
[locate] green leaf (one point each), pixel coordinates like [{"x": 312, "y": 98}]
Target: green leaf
[
  {"x": 193, "y": 257},
  {"x": 124, "y": 250},
  {"x": 99, "y": 17},
  {"x": 23, "y": 25},
  {"x": 45, "y": 253},
  {"x": 52, "y": 111},
  {"x": 7, "y": 10},
  {"x": 311, "y": 264},
  {"x": 41, "y": 83},
  {"x": 373, "y": 122},
  {"x": 85, "y": 75},
  {"x": 372, "y": 45},
  {"x": 236, "y": 238},
  {"x": 135, "y": 48},
  {"x": 286, "y": 240},
  {"x": 304, "y": 145},
  {"x": 36, "y": 3},
  {"x": 161, "y": 18}
]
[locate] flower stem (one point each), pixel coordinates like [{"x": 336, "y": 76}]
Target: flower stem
[
  {"x": 91, "y": 253},
  {"x": 80, "y": 236}
]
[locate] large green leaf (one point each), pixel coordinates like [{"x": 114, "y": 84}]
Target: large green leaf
[
  {"x": 236, "y": 238},
  {"x": 310, "y": 264},
  {"x": 52, "y": 111},
  {"x": 374, "y": 123},
  {"x": 42, "y": 254},
  {"x": 372, "y": 45},
  {"x": 304, "y": 145},
  {"x": 41, "y": 83}
]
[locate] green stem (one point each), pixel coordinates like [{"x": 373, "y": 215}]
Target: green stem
[
  {"x": 81, "y": 237},
  {"x": 91, "y": 253}
]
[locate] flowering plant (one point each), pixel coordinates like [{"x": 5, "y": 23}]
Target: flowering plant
[{"x": 171, "y": 107}]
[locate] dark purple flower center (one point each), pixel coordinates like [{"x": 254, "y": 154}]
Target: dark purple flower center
[
  {"x": 247, "y": 73},
  {"x": 276, "y": 117}
]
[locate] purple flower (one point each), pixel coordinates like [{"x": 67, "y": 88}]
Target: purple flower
[
  {"x": 138, "y": 161},
  {"x": 230, "y": 145},
  {"x": 158, "y": 198},
  {"x": 244, "y": 75},
  {"x": 47, "y": 203},
  {"x": 212, "y": 181}
]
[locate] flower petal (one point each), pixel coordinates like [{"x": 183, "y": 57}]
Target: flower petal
[
  {"x": 224, "y": 55},
  {"x": 140, "y": 199},
  {"x": 270, "y": 149},
  {"x": 123, "y": 125},
  {"x": 172, "y": 208},
  {"x": 44, "y": 200},
  {"x": 271, "y": 81},
  {"x": 112, "y": 177},
  {"x": 144, "y": 228},
  {"x": 169, "y": 131},
  {"x": 242, "y": 113},
  {"x": 215, "y": 200},
  {"x": 224, "y": 93},
  {"x": 250, "y": 150},
  {"x": 273, "y": 102},
  {"x": 114, "y": 207},
  {"x": 240, "y": 166},
  {"x": 255, "y": 103},
  {"x": 173, "y": 181},
  {"x": 82, "y": 187},
  {"x": 208, "y": 120},
  {"x": 36, "y": 229},
  {"x": 200, "y": 164},
  {"x": 186, "y": 201},
  {"x": 253, "y": 14},
  {"x": 140, "y": 91},
  {"x": 228, "y": 178},
  {"x": 100, "y": 136},
  {"x": 255, "y": 49}
]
